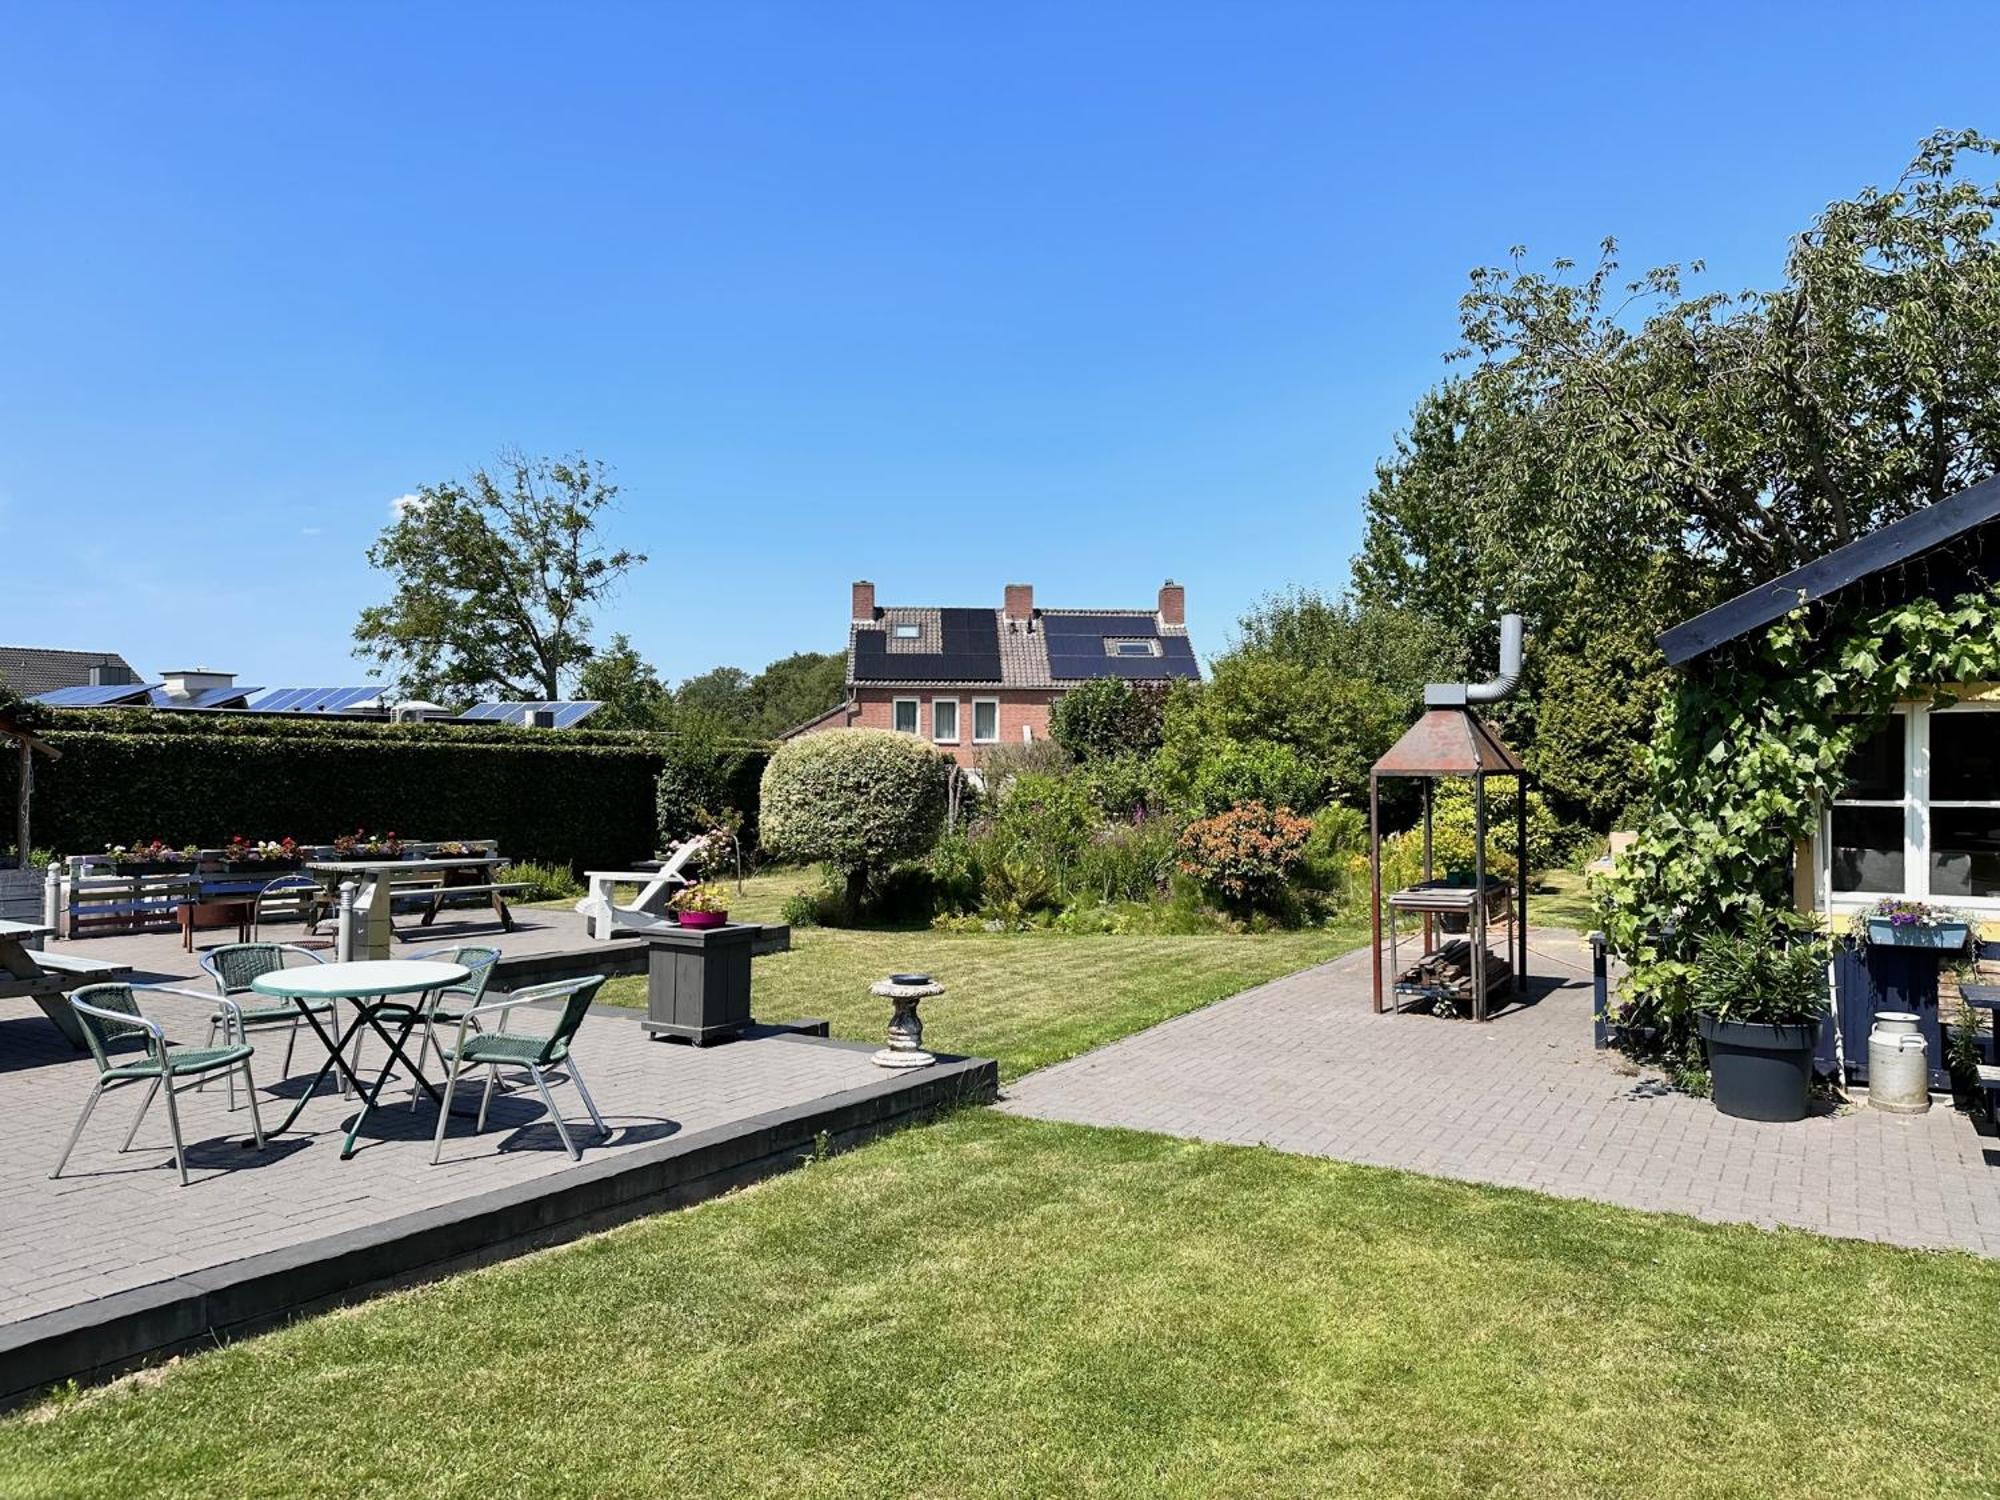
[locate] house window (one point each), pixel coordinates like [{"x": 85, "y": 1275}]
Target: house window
[
  {"x": 1920, "y": 815},
  {"x": 1114, "y": 647},
  {"x": 1869, "y": 818},
  {"x": 944, "y": 720},
  {"x": 985, "y": 721},
  {"x": 1964, "y": 802},
  {"x": 908, "y": 632},
  {"x": 905, "y": 720}
]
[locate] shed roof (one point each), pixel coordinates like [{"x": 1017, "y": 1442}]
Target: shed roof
[
  {"x": 1899, "y": 542},
  {"x": 1449, "y": 742}
]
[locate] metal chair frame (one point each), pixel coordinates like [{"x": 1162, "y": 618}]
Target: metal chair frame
[
  {"x": 554, "y": 1052},
  {"x": 157, "y": 1050},
  {"x": 223, "y": 1020}
]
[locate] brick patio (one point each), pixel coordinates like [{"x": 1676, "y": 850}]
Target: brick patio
[
  {"x": 117, "y": 1238},
  {"x": 1303, "y": 1064}
]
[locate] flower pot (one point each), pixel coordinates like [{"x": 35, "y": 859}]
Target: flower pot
[
  {"x": 152, "y": 866},
  {"x": 257, "y": 866},
  {"x": 1758, "y": 1071},
  {"x": 1947, "y": 935},
  {"x": 704, "y": 919}
]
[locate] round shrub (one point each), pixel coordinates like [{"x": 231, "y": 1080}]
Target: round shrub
[
  {"x": 1246, "y": 855},
  {"x": 1228, "y": 773},
  {"x": 854, "y": 799}
]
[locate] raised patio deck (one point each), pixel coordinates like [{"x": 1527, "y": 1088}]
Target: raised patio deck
[{"x": 116, "y": 1263}]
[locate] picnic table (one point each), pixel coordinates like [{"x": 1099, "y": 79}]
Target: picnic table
[
  {"x": 46, "y": 978},
  {"x": 430, "y": 881},
  {"x": 371, "y": 987}
]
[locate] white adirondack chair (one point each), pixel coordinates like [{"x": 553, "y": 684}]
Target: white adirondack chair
[{"x": 648, "y": 912}]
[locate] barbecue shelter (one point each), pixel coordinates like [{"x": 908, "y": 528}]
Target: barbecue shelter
[{"x": 1452, "y": 741}]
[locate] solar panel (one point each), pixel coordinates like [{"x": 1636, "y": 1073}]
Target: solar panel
[
  {"x": 317, "y": 700},
  {"x": 205, "y": 698},
  {"x": 1077, "y": 650},
  {"x": 95, "y": 695},
  {"x": 568, "y": 712},
  {"x": 969, "y": 651}
]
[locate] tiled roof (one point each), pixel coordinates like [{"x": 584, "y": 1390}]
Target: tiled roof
[{"x": 34, "y": 669}]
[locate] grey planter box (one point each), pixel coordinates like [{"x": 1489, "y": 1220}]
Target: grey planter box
[
  {"x": 698, "y": 979},
  {"x": 1945, "y": 935}
]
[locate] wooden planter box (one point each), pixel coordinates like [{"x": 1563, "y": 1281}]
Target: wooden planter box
[
  {"x": 698, "y": 981},
  {"x": 155, "y": 867},
  {"x": 256, "y": 866}
]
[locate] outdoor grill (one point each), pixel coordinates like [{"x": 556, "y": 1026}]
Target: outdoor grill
[{"x": 1452, "y": 740}]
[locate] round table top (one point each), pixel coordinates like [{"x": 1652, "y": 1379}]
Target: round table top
[{"x": 387, "y": 976}]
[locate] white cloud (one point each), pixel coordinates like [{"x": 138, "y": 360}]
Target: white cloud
[
  {"x": 311, "y": 530},
  {"x": 402, "y": 505}
]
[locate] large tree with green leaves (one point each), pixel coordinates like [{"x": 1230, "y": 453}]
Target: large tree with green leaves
[
  {"x": 494, "y": 577},
  {"x": 1619, "y": 455},
  {"x": 626, "y": 684}
]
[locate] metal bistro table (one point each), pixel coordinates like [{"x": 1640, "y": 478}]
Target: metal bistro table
[{"x": 372, "y": 987}]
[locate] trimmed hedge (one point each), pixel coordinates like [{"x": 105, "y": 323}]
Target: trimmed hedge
[{"x": 581, "y": 797}]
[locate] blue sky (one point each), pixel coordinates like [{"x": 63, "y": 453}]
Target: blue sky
[{"x": 942, "y": 295}]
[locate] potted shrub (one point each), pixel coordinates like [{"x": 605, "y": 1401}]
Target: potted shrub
[
  {"x": 700, "y": 907},
  {"x": 151, "y": 857},
  {"x": 1760, "y": 998},
  {"x": 1896, "y": 923}
]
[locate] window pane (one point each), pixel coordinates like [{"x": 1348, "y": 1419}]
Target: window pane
[
  {"x": 1868, "y": 849},
  {"x": 1965, "y": 851},
  {"x": 944, "y": 719},
  {"x": 1875, "y": 769},
  {"x": 986, "y": 721},
  {"x": 1965, "y": 757},
  {"x": 906, "y": 717}
]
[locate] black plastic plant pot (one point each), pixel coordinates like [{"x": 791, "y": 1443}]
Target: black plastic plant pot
[{"x": 1757, "y": 1071}]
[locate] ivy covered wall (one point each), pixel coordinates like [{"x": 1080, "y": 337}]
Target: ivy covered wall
[{"x": 1746, "y": 749}]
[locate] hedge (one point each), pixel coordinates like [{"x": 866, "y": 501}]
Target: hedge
[{"x": 579, "y": 797}]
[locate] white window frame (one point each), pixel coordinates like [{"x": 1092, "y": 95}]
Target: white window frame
[
  {"x": 1114, "y": 644},
  {"x": 916, "y": 715},
  {"x": 957, "y": 714},
  {"x": 906, "y": 630},
  {"x": 1916, "y": 806},
  {"x": 985, "y": 739}
]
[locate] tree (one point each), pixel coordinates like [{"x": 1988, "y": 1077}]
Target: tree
[
  {"x": 796, "y": 688},
  {"x": 1615, "y": 458},
  {"x": 856, "y": 800},
  {"x": 1109, "y": 716},
  {"x": 630, "y": 690},
  {"x": 494, "y": 578},
  {"x": 718, "y": 699}
]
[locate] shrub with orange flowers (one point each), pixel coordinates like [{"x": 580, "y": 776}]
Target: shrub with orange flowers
[{"x": 1246, "y": 856}]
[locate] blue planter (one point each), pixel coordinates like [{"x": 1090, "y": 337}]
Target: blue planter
[{"x": 1945, "y": 935}]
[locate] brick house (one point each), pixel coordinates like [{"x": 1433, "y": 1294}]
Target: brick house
[{"x": 969, "y": 679}]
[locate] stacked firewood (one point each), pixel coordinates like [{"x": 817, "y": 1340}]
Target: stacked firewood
[{"x": 1448, "y": 971}]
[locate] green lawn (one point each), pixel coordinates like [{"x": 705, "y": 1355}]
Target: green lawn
[
  {"x": 1004, "y": 1307},
  {"x": 1027, "y": 999},
  {"x": 1561, "y": 898}
]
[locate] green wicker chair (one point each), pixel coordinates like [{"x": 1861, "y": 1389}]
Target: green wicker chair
[
  {"x": 500, "y": 1048},
  {"x": 109, "y": 1015},
  {"x": 448, "y": 1006},
  {"x": 233, "y": 967}
]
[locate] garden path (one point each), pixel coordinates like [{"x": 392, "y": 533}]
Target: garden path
[{"x": 1303, "y": 1064}]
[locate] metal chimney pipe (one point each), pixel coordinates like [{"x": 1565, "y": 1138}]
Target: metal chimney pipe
[{"x": 1459, "y": 694}]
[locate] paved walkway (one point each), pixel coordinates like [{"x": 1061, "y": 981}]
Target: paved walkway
[
  {"x": 1304, "y": 1065},
  {"x": 116, "y": 1221}
]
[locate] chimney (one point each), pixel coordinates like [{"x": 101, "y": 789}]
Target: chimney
[
  {"x": 1020, "y": 601},
  {"x": 864, "y": 600},
  {"x": 1173, "y": 604}
]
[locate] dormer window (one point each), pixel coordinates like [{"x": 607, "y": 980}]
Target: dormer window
[
  {"x": 907, "y": 632},
  {"x": 1131, "y": 647}
]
